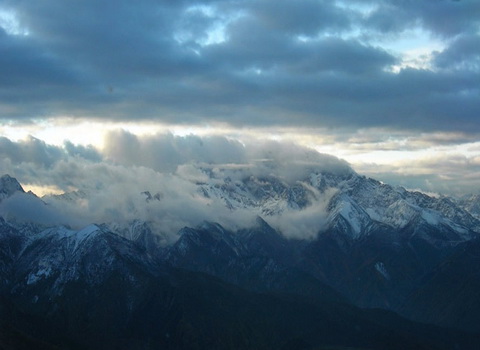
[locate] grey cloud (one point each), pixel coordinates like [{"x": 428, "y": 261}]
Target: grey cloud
[
  {"x": 22, "y": 61},
  {"x": 309, "y": 19},
  {"x": 35, "y": 162},
  {"x": 169, "y": 165},
  {"x": 253, "y": 45},
  {"x": 389, "y": 19},
  {"x": 88, "y": 152},
  {"x": 292, "y": 162},
  {"x": 114, "y": 195},
  {"x": 305, "y": 223},
  {"x": 38, "y": 152},
  {"x": 449, "y": 173},
  {"x": 33, "y": 78},
  {"x": 173, "y": 165},
  {"x": 433, "y": 184},
  {"x": 463, "y": 53},
  {"x": 374, "y": 139},
  {"x": 165, "y": 153},
  {"x": 344, "y": 56},
  {"x": 116, "y": 44},
  {"x": 128, "y": 61},
  {"x": 31, "y": 150},
  {"x": 446, "y": 18}
]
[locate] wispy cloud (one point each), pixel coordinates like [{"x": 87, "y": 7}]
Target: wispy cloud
[{"x": 112, "y": 183}]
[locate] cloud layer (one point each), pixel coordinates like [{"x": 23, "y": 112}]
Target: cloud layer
[
  {"x": 252, "y": 63},
  {"x": 155, "y": 179}
]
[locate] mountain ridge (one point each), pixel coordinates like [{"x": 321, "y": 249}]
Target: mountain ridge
[
  {"x": 390, "y": 262},
  {"x": 155, "y": 305}
]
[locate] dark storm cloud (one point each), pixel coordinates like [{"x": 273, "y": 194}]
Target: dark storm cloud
[
  {"x": 255, "y": 48},
  {"x": 446, "y": 18},
  {"x": 256, "y": 63},
  {"x": 462, "y": 54},
  {"x": 311, "y": 17},
  {"x": 31, "y": 78},
  {"x": 22, "y": 61}
]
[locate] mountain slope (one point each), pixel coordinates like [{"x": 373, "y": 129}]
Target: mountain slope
[
  {"x": 8, "y": 186},
  {"x": 359, "y": 200},
  {"x": 94, "y": 289},
  {"x": 375, "y": 246},
  {"x": 259, "y": 259},
  {"x": 448, "y": 295}
]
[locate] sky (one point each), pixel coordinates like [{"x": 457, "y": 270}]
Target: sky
[{"x": 391, "y": 86}]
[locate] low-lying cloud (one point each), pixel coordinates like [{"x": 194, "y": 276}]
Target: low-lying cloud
[
  {"x": 156, "y": 179},
  {"x": 24, "y": 207},
  {"x": 307, "y": 222},
  {"x": 168, "y": 153},
  {"x": 111, "y": 182}
]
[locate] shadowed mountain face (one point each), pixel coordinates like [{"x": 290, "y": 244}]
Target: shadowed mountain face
[
  {"x": 382, "y": 269},
  {"x": 448, "y": 294},
  {"x": 8, "y": 186},
  {"x": 113, "y": 287},
  {"x": 94, "y": 289}
]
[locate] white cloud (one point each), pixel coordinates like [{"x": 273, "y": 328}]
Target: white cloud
[
  {"x": 307, "y": 222},
  {"x": 168, "y": 167},
  {"x": 10, "y": 23},
  {"x": 115, "y": 178}
]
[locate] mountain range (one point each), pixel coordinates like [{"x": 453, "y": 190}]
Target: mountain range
[{"x": 335, "y": 260}]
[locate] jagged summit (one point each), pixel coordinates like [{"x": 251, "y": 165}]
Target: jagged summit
[
  {"x": 471, "y": 203},
  {"x": 351, "y": 202},
  {"x": 8, "y": 186},
  {"x": 347, "y": 201}
]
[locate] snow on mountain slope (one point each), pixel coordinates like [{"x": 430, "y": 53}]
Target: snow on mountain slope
[
  {"x": 8, "y": 186},
  {"x": 352, "y": 215},
  {"x": 270, "y": 195},
  {"x": 58, "y": 256},
  {"x": 471, "y": 203},
  {"x": 60, "y": 250},
  {"x": 376, "y": 244},
  {"x": 357, "y": 200}
]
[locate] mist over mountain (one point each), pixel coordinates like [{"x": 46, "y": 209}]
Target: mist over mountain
[
  {"x": 240, "y": 175},
  {"x": 272, "y": 224},
  {"x": 170, "y": 166}
]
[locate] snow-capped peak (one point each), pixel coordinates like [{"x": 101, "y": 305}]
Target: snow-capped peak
[
  {"x": 8, "y": 186},
  {"x": 86, "y": 232}
]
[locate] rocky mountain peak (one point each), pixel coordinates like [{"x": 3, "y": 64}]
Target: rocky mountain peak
[{"x": 8, "y": 186}]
